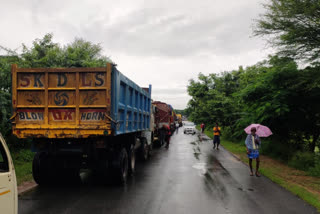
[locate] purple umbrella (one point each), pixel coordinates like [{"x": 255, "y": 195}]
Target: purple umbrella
[{"x": 262, "y": 131}]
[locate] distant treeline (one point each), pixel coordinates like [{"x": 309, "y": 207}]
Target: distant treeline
[
  {"x": 178, "y": 111},
  {"x": 274, "y": 93}
]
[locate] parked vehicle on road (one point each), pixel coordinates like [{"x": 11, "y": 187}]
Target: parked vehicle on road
[
  {"x": 173, "y": 118},
  {"x": 92, "y": 118},
  {"x": 8, "y": 181},
  {"x": 162, "y": 116},
  {"x": 179, "y": 119},
  {"x": 189, "y": 128}
]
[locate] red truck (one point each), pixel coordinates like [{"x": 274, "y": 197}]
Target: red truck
[{"x": 163, "y": 115}]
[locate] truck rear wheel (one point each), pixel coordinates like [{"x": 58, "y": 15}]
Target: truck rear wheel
[
  {"x": 40, "y": 168},
  {"x": 121, "y": 166},
  {"x": 144, "y": 150}
]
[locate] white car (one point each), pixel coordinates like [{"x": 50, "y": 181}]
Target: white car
[
  {"x": 8, "y": 181},
  {"x": 189, "y": 128}
]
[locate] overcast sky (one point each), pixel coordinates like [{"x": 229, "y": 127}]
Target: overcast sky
[{"x": 160, "y": 42}]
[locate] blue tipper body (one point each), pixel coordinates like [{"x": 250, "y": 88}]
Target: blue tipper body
[{"x": 130, "y": 105}]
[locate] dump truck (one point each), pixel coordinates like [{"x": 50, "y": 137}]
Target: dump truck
[
  {"x": 163, "y": 116},
  {"x": 179, "y": 119},
  {"x": 91, "y": 118},
  {"x": 173, "y": 118}
]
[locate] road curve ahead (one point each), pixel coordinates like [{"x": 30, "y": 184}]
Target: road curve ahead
[{"x": 190, "y": 177}]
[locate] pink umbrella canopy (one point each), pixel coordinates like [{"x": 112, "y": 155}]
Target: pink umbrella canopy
[{"x": 262, "y": 131}]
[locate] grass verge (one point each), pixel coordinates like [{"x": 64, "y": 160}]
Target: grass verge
[
  {"x": 296, "y": 181},
  {"x": 23, "y": 165}
]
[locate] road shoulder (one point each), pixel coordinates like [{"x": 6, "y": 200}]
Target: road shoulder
[
  {"x": 296, "y": 181},
  {"x": 26, "y": 187}
]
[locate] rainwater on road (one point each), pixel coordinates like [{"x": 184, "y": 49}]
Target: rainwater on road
[{"x": 189, "y": 177}]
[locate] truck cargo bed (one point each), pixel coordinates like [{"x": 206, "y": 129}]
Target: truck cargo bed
[{"x": 77, "y": 102}]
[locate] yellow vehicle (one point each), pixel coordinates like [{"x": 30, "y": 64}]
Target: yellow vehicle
[
  {"x": 179, "y": 118},
  {"x": 61, "y": 102},
  {"x": 8, "y": 182},
  {"x": 93, "y": 118}
]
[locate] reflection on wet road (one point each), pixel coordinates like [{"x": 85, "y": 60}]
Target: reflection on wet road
[{"x": 190, "y": 177}]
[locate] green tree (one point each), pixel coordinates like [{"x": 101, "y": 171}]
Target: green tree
[
  {"x": 292, "y": 26},
  {"x": 275, "y": 93},
  {"x": 5, "y": 92},
  {"x": 197, "y": 106},
  {"x": 212, "y": 99},
  {"x": 286, "y": 99},
  {"x": 46, "y": 53}
]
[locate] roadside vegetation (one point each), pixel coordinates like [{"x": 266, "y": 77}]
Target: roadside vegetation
[
  {"x": 23, "y": 165},
  {"x": 281, "y": 92}
]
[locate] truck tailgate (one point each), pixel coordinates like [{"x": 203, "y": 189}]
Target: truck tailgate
[{"x": 61, "y": 102}]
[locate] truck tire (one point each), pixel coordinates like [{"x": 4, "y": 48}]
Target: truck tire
[
  {"x": 144, "y": 150},
  {"x": 120, "y": 167},
  {"x": 39, "y": 168},
  {"x": 132, "y": 159}
]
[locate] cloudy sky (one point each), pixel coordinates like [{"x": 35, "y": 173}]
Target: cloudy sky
[{"x": 164, "y": 43}]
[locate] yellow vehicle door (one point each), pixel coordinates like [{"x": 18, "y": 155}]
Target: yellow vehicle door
[{"x": 8, "y": 183}]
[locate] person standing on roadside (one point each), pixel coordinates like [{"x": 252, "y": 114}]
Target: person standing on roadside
[
  {"x": 253, "y": 143},
  {"x": 162, "y": 134},
  {"x": 167, "y": 139},
  {"x": 202, "y": 126},
  {"x": 216, "y": 136}
]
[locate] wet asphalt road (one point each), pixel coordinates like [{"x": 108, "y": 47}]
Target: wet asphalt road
[{"x": 190, "y": 177}]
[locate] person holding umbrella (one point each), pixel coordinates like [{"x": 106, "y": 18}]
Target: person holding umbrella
[{"x": 253, "y": 143}]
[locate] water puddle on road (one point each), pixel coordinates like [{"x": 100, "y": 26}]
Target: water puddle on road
[
  {"x": 203, "y": 137},
  {"x": 201, "y": 167},
  {"x": 196, "y": 155},
  {"x": 206, "y": 162},
  {"x": 196, "y": 152},
  {"x": 196, "y": 149},
  {"x": 209, "y": 169}
]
